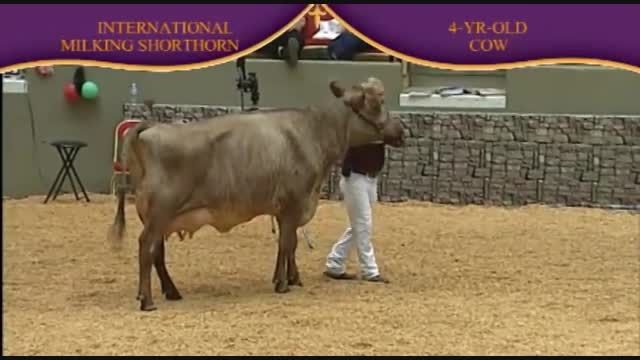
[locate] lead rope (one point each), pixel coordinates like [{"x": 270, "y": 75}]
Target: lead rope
[{"x": 308, "y": 239}]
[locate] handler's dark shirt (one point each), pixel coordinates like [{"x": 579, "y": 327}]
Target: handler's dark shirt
[{"x": 366, "y": 159}]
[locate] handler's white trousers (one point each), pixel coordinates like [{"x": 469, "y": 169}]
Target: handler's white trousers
[{"x": 360, "y": 193}]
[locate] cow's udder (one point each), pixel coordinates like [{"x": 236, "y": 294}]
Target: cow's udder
[{"x": 193, "y": 220}]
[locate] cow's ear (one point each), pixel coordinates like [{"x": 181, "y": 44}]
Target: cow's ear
[
  {"x": 355, "y": 97},
  {"x": 336, "y": 89}
]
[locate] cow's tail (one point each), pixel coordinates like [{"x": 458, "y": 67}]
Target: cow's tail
[
  {"x": 131, "y": 160},
  {"x": 116, "y": 232}
]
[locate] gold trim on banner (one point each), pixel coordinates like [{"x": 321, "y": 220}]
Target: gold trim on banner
[
  {"x": 498, "y": 66},
  {"x": 158, "y": 68}
]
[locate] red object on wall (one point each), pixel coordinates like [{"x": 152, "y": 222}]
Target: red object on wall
[
  {"x": 70, "y": 92},
  {"x": 120, "y": 132},
  {"x": 312, "y": 25}
]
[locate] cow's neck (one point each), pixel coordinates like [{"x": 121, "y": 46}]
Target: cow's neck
[{"x": 331, "y": 128}]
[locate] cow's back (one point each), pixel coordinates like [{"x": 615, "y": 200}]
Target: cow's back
[{"x": 264, "y": 160}]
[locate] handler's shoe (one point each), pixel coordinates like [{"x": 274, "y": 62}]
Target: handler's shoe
[
  {"x": 377, "y": 278},
  {"x": 343, "y": 276}
]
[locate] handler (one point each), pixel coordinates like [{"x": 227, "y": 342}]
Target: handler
[{"x": 359, "y": 185}]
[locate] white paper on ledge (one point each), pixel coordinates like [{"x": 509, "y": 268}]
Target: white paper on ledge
[{"x": 329, "y": 30}]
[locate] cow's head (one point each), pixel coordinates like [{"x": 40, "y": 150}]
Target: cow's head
[{"x": 369, "y": 120}]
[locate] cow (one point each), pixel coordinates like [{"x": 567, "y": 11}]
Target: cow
[{"x": 226, "y": 171}]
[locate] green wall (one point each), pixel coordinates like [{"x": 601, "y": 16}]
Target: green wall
[
  {"x": 577, "y": 89},
  {"x": 30, "y": 168},
  {"x": 94, "y": 122}
]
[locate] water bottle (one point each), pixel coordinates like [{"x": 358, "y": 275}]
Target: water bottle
[{"x": 134, "y": 93}]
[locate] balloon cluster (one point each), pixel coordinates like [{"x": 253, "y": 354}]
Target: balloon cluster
[{"x": 80, "y": 87}]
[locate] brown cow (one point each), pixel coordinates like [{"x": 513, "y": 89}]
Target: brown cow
[{"x": 229, "y": 170}]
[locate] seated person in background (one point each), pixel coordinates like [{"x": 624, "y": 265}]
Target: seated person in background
[
  {"x": 287, "y": 46},
  {"x": 346, "y": 46}
]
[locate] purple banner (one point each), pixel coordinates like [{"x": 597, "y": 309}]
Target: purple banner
[
  {"x": 456, "y": 35},
  {"x": 138, "y": 34},
  {"x": 488, "y": 34}
]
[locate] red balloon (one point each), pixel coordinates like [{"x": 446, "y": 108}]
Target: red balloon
[{"x": 70, "y": 92}]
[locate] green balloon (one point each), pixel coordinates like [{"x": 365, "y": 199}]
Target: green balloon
[{"x": 89, "y": 90}]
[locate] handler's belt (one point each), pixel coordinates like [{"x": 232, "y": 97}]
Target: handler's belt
[{"x": 366, "y": 173}]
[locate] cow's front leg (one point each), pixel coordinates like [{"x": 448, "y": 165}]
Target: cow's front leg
[
  {"x": 145, "y": 258},
  {"x": 287, "y": 233},
  {"x": 292, "y": 271},
  {"x": 280, "y": 274}
]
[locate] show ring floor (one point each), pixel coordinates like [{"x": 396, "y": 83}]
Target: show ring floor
[{"x": 465, "y": 281}]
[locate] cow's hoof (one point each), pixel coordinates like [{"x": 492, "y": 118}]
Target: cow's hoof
[
  {"x": 282, "y": 287},
  {"x": 147, "y": 306},
  {"x": 173, "y": 295},
  {"x": 295, "y": 282}
]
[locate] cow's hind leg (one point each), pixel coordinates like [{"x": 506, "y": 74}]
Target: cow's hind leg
[
  {"x": 146, "y": 255},
  {"x": 168, "y": 287},
  {"x": 149, "y": 246}
]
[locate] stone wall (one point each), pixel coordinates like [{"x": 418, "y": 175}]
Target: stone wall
[{"x": 494, "y": 159}]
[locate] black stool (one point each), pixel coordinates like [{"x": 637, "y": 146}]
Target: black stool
[{"x": 67, "y": 151}]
